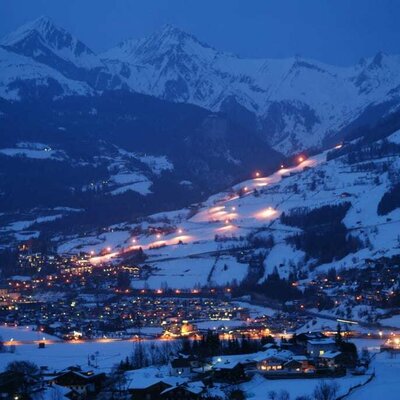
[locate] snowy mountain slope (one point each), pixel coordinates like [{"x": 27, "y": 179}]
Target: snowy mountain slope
[
  {"x": 294, "y": 103},
  {"x": 297, "y": 102},
  {"x": 43, "y": 43},
  {"x": 21, "y": 77},
  {"x": 41, "y": 38},
  {"x": 229, "y": 222}
]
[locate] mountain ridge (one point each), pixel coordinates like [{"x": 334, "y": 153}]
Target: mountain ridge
[{"x": 294, "y": 103}]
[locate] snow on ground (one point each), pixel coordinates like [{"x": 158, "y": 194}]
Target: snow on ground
[
  {"x": 283, "y": 257},
  {"x": 219, "y": 324},
  {"x": 395, "y": 137},
  {"x": 156, "y": 163},
  {"x": 183, "y": 273},
  {"x": 386, "y": 383},
  {"x": 259, "y": 387},
  {"x": 58, "y": 356},
  {"x": 37, "y": 154},
  {"x": 226, "y": 269},
  {"x": 21, "y": 333},
  {"x": 134, "y": 181},
  {"x": 22, "y": 225},
  {"x": 256, "y": 311},
  {"x": 392, "y": 321},
  {"x": 142, "y": 188}
]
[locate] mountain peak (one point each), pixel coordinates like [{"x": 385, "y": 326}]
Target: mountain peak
[
  {"x": 172, "y": 31},
  {"x": 42, "y": 26},
  {"x": 43, "y": 40},
  {"x": 173, "y": 36},
  {"x": 169, "y": 41}
]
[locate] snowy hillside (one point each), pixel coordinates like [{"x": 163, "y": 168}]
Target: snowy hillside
[{"x": 208, "y": 243}]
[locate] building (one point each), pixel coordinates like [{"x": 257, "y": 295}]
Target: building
[
  {"x": 299, "y": 364},
  {"x": 271, "y": 363},
  {"x": 81, "y": 384},
  {"x": 180, "y": 367},
  {"x": 331, "y": 359},
  {"x": 318, "y": 347},
  {"x": 152, "y": 391},
  {"x": 181, "y": 392}
]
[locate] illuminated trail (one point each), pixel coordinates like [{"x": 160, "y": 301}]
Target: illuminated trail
[{"x": 227, "y": 215}]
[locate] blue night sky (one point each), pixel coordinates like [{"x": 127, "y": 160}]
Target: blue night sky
[{"x": 334, "y": 31}]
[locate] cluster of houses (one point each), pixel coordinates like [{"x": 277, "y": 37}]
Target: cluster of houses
[
  {"x": 72, "y": 383},
  {"x": 190, "y": 377}
]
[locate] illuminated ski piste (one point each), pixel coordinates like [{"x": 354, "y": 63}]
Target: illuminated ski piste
[{"x": 223, "y": 214}]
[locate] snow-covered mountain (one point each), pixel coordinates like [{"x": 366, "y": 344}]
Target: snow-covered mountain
[
  {"x": 296, "y": 102},
  {"x": 21, "y": 77},
  {"x": 293, "y": 103},
  {"x": 40, "y": 44}
]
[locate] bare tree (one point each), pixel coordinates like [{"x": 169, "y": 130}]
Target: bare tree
[{"x": 326, "y": 390}]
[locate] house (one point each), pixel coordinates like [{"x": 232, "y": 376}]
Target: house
[
  {"x": 318, "y": 347},
  {"x": 303, "y": 338},
  {"x": 299, "y": 364},
  {"x": 181, "y": 392},
  {"x": 229, "y": 371},
  {"x": 331, "y": 359},
  {"x": 80, "y": 383},
  {"x": 148, "y": 392},
  {"x": 271, "y": 363},
  {"x": 9, "y": 383},
  {"x": 180, "y": 367}
]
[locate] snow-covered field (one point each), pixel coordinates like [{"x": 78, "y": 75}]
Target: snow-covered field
[
  {"x": 58, "y": 356},
  {"x": 386, "y": 383},
  {"x": 8, "y": 333},
  {"x": 392, "y": 321},
  {"x": 259, "y": 387}
]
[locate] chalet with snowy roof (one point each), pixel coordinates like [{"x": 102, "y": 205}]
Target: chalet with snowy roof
[
  {"x": 331, "y": 359},
  {"x": 182, "y": 392},
  {"x": 229, "y": 371},
  {"x": 299, "y": 364},
  {"x": 148, "y": 391},
  {"x": 271, "y": 363},
  {"x": 318, "y": 347},
  {"x": 303, "y": 338},
  {"x": 80, "y": 383}
]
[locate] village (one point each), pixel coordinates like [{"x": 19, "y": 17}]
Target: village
[
  {"x": 181, "y": 344},
  {"x": 201, "y": 366}
]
